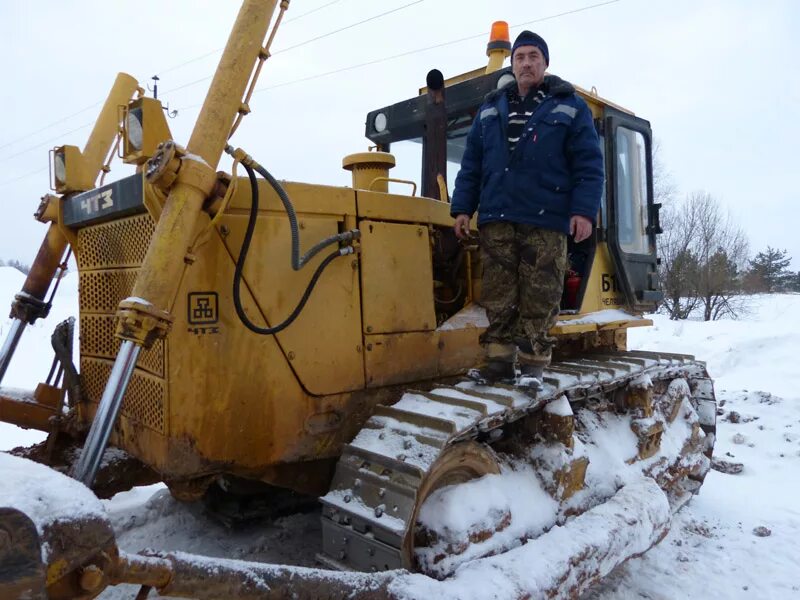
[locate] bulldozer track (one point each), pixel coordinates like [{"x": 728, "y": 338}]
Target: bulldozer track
[{"x": 367, "y": 517}]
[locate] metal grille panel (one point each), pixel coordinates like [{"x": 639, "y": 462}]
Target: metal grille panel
[
  {"x": 109, "y": 256},
  {"x": 121, "y": 243},
  {"x": 98, "y": 340},
  {"x": 144, "y": 400},
  {"x": 102, "y": 291}
]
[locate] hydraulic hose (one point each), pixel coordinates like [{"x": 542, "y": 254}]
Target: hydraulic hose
[{"x": 297, "y": 260}]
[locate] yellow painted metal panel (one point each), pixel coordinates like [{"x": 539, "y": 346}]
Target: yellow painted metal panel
[
  {"x": 397, "y": 278},
  {"x": 602, "y": 290},
  {"x": 234, "y": 396},
  {"x": 625, "y": 324},
  {"x": 305, "y": 197},
  {"x": 324, "y": 343},
  {"x": 459, "y": 350},
  {"x": 391, "y": 207},
  {"x": 404, "y": 357},
  {"x": 401, "y": 357},
  {"x": 564, "y": 328}
]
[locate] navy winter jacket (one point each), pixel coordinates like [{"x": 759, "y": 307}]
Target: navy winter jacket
[{"x": 555, "y": 171}]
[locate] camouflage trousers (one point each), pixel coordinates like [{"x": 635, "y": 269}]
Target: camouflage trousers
[{"x": 523, "y": 279}]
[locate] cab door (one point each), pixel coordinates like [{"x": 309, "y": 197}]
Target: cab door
[{"x": 632, "y": 213}]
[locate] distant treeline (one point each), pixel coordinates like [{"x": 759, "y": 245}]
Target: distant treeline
[{"x": 22, "y": 267}]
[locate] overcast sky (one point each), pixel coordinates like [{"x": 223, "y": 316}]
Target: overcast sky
[{"x": 717, "y": 79}]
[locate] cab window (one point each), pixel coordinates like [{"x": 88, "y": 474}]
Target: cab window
[{"x": 631, "y": 192}]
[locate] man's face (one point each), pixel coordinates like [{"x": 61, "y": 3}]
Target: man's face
[{"x": 528, "y": 66}]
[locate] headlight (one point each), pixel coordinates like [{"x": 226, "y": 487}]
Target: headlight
[
  {"x": 60, "y": 167},
  {"x": 380, "y": 122},
  {"x": 69, "y": 170},
  {"x": 134, "y": 127},
  {"x": 144, "y": 128}
]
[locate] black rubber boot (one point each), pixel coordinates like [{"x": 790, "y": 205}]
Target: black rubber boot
[
  {"x": 531, "y": 376},
  {"x": 494, "y": 371}
]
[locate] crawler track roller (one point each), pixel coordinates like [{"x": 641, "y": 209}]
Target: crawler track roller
[{"x": 638, "y": 414}]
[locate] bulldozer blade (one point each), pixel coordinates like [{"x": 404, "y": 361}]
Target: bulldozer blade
[
  {"x": 70, "y": 527},
  {"x": 56, "y": 541},
  {"x": 22, "y": 573}
]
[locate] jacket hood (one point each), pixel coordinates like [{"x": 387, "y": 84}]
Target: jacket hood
[{"x": 554, "y": 84}]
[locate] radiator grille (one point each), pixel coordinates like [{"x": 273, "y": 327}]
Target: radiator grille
[
  {"x": 121, "y": 243},
  {"x": 102, "y": 291},
  {"x": 109, "y": 256},
  {"x": 98, "y": 340},
  {"x": 144, "y": 400}
]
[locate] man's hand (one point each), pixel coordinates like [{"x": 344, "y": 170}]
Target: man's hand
[
  {"x": 462, "y": 227},
  {"x": 579, "y": 226}
]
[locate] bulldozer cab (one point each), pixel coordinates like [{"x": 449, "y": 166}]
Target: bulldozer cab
[{"x": 628, "y": 220}]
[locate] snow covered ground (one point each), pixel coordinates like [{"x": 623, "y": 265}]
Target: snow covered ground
[{"x": 737, "y": 539}]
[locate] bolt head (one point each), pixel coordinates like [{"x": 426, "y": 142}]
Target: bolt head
[{"x": 92, "y": 578}]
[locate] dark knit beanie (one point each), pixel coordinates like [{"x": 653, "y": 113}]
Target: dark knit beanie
[{"x": 528, "y": 38}]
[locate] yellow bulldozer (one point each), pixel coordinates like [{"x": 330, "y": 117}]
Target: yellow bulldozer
[{"x": 246, "y": 337}]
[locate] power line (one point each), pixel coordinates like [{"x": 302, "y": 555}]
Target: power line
[
  {"x": 47, "y": 143},
  {"x": 416, "y": 51},
  {"x": 424, "y": 49},
  {"x": 310, "y": 12},
  {"x": 327, "y": 73},
  {"x": 168, "y": 70},
  {"x": 356, "y": 24},
  {"x": 218, "y": 50},
  {"x": 15, "y": 179},
  {"x": 188, "y": 62},
  {"x": 319, "y": 37},
  {"x": 46, "y": 127},
  {"x": 328, "y": 34}
]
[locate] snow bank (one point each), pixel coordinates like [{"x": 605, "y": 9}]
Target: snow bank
[
  {"x": 628, "y": 524},
  {"x": 756, "y": 352},
  {"x": 711, "y": 551},
  {"x": 45, "y": 496}
]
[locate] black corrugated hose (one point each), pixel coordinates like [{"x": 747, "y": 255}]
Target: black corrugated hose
[{"x": 297, "y": 260}]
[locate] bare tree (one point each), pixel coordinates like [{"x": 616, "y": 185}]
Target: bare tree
[
  {"x": 703, "y": 253},
  {"x": 677, "y": 267},
  {"x": 664, "y": 187},
  {"x": 721, "y": 248},
  {"x": 16, "y": 264}
]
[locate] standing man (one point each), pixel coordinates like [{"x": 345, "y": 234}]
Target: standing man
[{"x": 533, "y": 170}]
